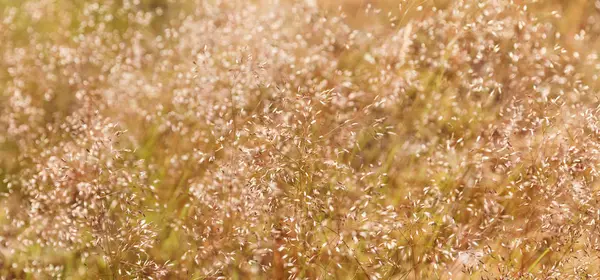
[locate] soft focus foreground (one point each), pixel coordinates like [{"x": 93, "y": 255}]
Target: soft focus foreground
[{"x": 277, "y": 139}]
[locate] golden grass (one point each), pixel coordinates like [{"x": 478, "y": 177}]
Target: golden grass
[{"x": 260, "y": 139}]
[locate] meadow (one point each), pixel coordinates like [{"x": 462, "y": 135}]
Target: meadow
[{"x": 316, "y": 139}]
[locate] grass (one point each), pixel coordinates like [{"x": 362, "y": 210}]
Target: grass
[{"x": 299, "y": 139}]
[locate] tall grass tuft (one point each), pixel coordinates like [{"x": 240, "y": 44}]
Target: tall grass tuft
[{"x": 160, "y": 139}]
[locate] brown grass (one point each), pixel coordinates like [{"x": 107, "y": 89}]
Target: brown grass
[{"x": 299, "y": 139}]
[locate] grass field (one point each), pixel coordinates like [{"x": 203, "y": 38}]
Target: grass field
[{"x": 265, "y": 139}]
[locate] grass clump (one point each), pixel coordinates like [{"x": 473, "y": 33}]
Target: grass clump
[{"x": 299, "y": 140}]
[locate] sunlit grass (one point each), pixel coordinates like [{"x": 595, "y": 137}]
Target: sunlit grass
[{"x": 299, "y": 139}]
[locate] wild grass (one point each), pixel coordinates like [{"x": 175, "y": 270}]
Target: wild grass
[{"x": 167, "y": 139}]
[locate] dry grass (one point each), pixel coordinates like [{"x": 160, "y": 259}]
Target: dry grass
[{"x": 167, "y": 139}]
